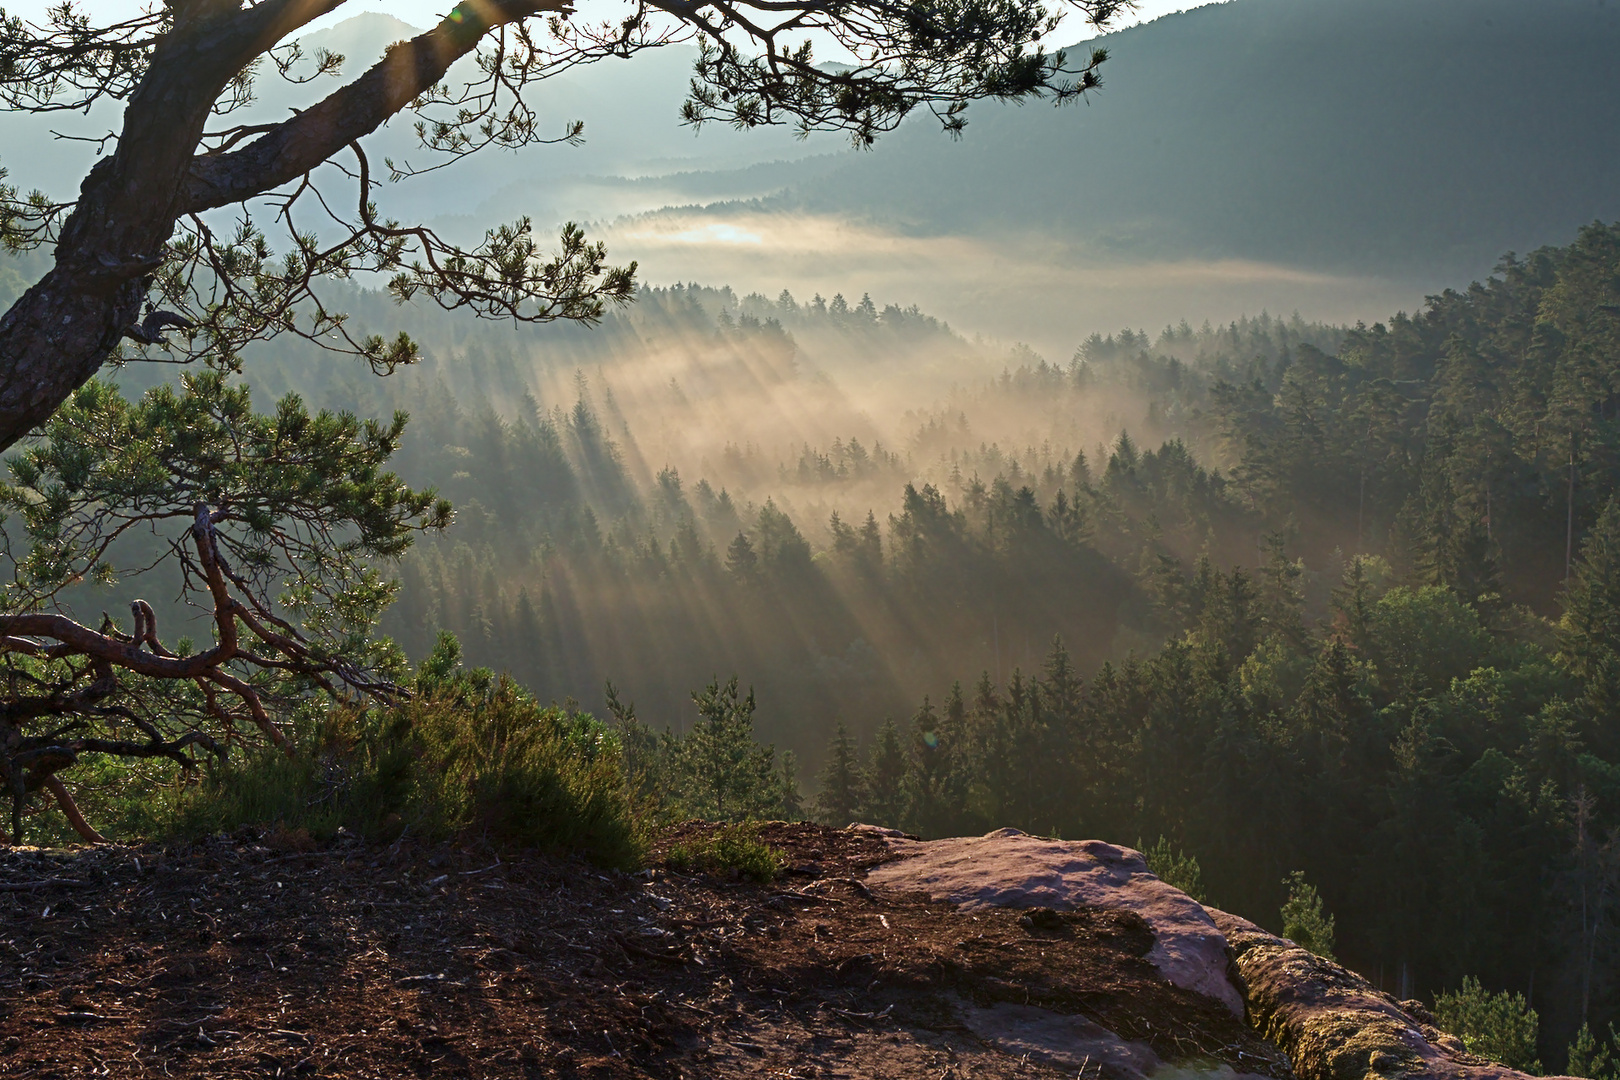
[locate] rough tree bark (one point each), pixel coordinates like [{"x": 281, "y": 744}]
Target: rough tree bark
[{"x": 60, "y": 332}]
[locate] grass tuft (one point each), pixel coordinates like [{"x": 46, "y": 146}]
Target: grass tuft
[{"x": 730, "y": 848}]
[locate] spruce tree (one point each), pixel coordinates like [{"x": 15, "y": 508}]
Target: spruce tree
[
  {"x": 869, "y": 549},
  {"x": 741, "y": 559},
  {"x": 721, "y": 771},
  {"x": 1589, "y": 632},
  {"x": 885, "y": 779},
  {"x": 936, "y": 781},
  {"x": 842, "y": 791}
]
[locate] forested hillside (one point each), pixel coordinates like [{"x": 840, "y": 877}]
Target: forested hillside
[
  {"x": 524, "y": 558},
  {"x": 1326, "y": 570},
  {"x": 1292, "y": 597},
  {"x": 1383, "y": 136},
  {"x": 847, "y": 506},
  {"x": 1407, "y": 689}
]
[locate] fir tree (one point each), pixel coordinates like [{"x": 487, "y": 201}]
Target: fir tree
[
  {"x": 1304, "y": 921},
  {"x": 884, "y": 779},
  {"x": 842, "y": 793},
  {"x": 741, "y": 559}
]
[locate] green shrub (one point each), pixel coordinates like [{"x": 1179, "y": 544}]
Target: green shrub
[
  {"x": 469, "y": 753},
  {"x": 1500, "y": 1026},
  {"x": 1304, "y": 921},
  {"x": 1590, "y": 1057},
  {"x": 1175, "y": 868},
  {"x": 717, "y": 771},
  {"x": 731, "y": 847}
]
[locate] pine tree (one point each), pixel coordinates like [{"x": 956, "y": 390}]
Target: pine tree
[
  {"x": 1304, "y": 921},
  {"x": 1282, "y": 598},
  {"x": 782, "y": 550},
  {"x": 1353, "y": 602},
  {"x": 741, "y": 559},
  {"x": 1591, "y": 1057},
  {"x": 721, "y": 771},
  {"x": 1175, "y": 867},
  {"x": 1589, "y": 632},
  {"x": 885, "y": 778},
  {"x": 842, "y": 791},
  {"x": 1500, "y": 1026}
]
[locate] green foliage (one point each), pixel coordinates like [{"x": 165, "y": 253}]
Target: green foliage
[
  {"x": 723, "y": 772},
  {"x": 470, "y": 752},
  {"x": 1500, "y": 1026},
  {"x": 1412, "y": 744},
  {"x": 729, "y": 848},
  {"x": 1423, "y": 638},
  {"x": 305, "y": 491},
  {"x": 717, "y": 770},
  {"x": 1304, "y": 921},
  {"x": 277, "y": 526},
  {"x": 1174, "y": 867},
  {"x": 842, "y": 790},
  {"x": 1591, "y": 1057}
]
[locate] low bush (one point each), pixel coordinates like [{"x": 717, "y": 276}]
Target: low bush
[
  {"x": 470, "y": 752},
  {"x": 1500, "y": 1026},
  {"x": 729, "y": 848},
  {"x": 1176, "y": 868}
]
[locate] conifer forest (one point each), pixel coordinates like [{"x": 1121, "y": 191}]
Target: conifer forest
[{"x": 358, "y": 539}]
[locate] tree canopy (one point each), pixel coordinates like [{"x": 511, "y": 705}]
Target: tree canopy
[
  {"x": 196, "y": 236},
  {"x": 140, "y": 250}
]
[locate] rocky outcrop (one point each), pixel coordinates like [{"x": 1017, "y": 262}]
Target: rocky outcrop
[
  {"x": 1330, "y": 1022},
  {"x": 1009, "y": 868},
  {"x": 1335, "y": 1025}
]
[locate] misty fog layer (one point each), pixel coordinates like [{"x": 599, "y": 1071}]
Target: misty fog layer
[
  {"x": 1342, "y": 160},
  {"x": 1045, "y": 289}
]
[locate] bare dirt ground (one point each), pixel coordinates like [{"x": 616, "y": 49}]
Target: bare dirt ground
[{"x": 265, "y": 955}]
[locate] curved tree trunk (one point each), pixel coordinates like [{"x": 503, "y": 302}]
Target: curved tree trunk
[
  {"x": 60, "y": 332},
  {"x": 71, "y": 809}
]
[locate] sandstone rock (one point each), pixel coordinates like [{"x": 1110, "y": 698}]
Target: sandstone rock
[
  {"x": 1067, "y": 1041},
  {"x": 1009, "y": 868},
  {"x": 1332, "y": 1023},
  {"x": 1335, "y": 1025}
]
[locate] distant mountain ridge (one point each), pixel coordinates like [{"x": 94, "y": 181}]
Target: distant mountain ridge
[
  {"x": 1384, "y": 136},
  {"x": 1387, "y": 146},
  {"x": 1407, "y": 138}
]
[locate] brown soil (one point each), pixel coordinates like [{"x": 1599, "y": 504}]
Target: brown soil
[{"x": 247, "y": 956}]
